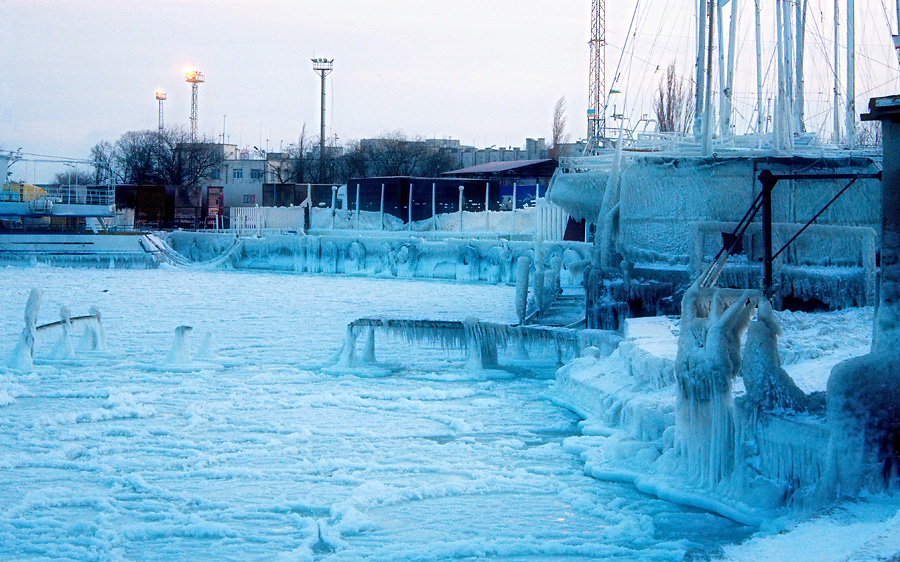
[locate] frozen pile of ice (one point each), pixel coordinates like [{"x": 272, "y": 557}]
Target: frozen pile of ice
[{"x": 673, "y": 419}]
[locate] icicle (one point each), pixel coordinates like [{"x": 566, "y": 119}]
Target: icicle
[
  {"x": 521, "y": 352},
  {"x": 369, "y": 353}
]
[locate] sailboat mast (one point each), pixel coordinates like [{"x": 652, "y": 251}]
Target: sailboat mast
[
  {"x": 728, "y": 91},
  {"x": 790, "y": 115},
  {"x": 706, "y": 143},
  {"x": 800, "y": 38},
  {"x": 779, "y": 125},
  {"x": 851, "y": 78},
  {"x": 701, "y": 68},
  {"x": 721, "y": 56},
  {"x": 759, "y": 72},
  {"x": 836, "y": 132}
]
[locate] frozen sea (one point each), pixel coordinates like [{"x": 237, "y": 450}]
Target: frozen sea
[{"x": 261, "y": 454}]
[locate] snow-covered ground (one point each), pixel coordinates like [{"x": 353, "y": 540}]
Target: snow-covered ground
[{"x": 260, "y": 454}]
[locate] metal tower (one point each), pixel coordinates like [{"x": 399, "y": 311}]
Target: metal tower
[
  {"x": 596, "y": 125},
  {"x": 161, "y": 97},
  {"x": 323, "y": 68},
  {"x": 195, "y": 78}
]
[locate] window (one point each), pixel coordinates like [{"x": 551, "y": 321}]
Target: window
[
  {"x": 215, "y": 174},
  {"x": 256, "y": 174},
  {"x": 238, "y": 174},
  {"x": 251, "y": 199}
]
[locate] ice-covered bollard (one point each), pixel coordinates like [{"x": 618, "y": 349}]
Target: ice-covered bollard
[
  {"x": 180, "y": 354},
  {"x": 22, "y": 356},
  {"x": 63, "y": 348}
]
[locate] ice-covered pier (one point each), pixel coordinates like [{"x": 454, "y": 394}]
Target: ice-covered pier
[{"x": 481, "y": 340}]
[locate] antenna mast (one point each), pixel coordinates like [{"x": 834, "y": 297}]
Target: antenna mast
[{"x": 596, "y": 122}]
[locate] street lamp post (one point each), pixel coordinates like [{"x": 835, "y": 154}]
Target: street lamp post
[{"x": 323, "y": 68}]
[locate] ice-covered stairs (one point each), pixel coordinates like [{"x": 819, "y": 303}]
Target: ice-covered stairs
[{"x": 565, "y": 310}]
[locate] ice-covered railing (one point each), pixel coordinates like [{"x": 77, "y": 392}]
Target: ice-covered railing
[
  {"x": 93, "y": 336},
  {"x": 819, "y": 246},
  {"x": 159, "y": 247},
  {"x": 461, "y": 259},
  {"x": 481, "y": 340}
]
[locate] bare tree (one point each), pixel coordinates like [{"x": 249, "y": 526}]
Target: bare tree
[
  {"x": 182, "y": 162},
  {"x": 151, "y": 157},
  {"x": 869, "y": 133},
  {"x": 394, "y": 154},
  {"x": 558, "y": 137},
  {"x": 73, "y": 177},
  {"x": 135, "y": 155},
  {"x": 673, "y": 103},
  {"x": 292, "y": 165},
  {"x": 102, "y": 157}
]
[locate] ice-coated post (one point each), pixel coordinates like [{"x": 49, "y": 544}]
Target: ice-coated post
[
  {"x": 514, "y": 205},
  {"x": 180, "y": 353},
  {"x": 863, "y": 396},
  {"x": 334, "y": 189},
  {"x": 487, "y": 210},
  {"x": 357, "y": 206},
  {"x": 22, "y": 357},
  {"x": 309, "y": 193},
  {"x": 409, "y": 208},
  {"x": 434, "y": 206},
  {"x": 539, "y": 289},
  {"x": 461, "y": 207},
  {"x": 768, "y": 183},
  {"x": 381, "y": 209},
  {"x": 523, "y": 264},
  {"x": 348, "y": 352}
]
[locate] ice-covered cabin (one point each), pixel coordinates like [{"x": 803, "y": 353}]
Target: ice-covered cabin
[{"x": 661, "y": 219}]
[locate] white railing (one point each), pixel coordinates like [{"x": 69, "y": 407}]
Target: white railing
[
  {"x": 551, "y": 221},
  {"x": 247, "y": 220}
]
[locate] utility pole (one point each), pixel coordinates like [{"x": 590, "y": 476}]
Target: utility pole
[
  {"x": 161, "y": 97},
  {"x": 596, "y": 122},
  {"x": 323, "y": 68}
]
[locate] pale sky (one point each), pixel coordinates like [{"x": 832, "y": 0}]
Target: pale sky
[{"x": 487, "y": 72}]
